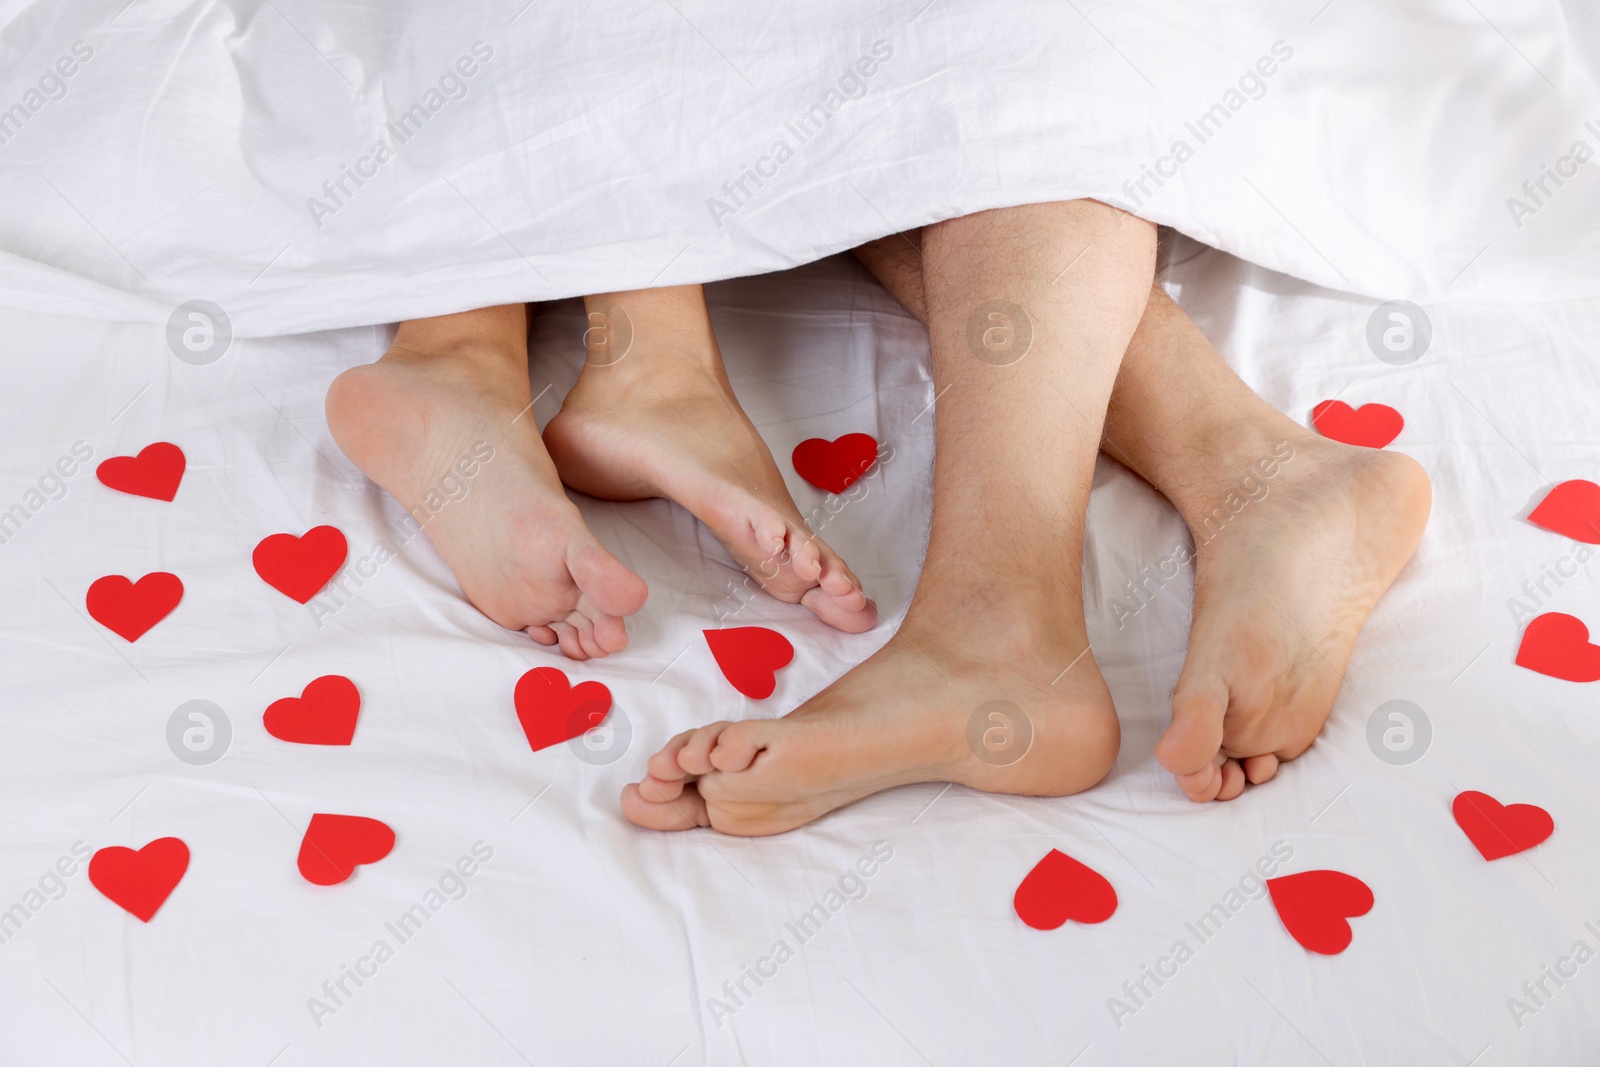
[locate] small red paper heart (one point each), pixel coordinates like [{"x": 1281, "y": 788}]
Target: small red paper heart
[
  {"x": 1571, "y": 509},
  {"x": 750, "y": 657},
  {"x": 1316, "y": 907},
  {"x": 1558, "y": 645},
  {"x": 335, "y": 845},
  {"x": 323, "y": 714},
  {"x": 155, "y": 472},
  {"x": 129, "y": 609},
  {"x": 553, "y": 710},
  {"x": 1370, "y": 425},
  {"x": 1497, "y": 829},
  {"x": 298, "y": 567},
  {"x": 835, "y": 465},
  {"x": 1060, "y": 888},
  {"x": 140, "y": 882}
]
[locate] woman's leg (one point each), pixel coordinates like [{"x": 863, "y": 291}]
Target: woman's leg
[
  {"x": 1283, "y": 584},
  {"x": 661, "y": 420},
  {"x": 442, "y": 422},
  {"x": 988, "y": 682}
]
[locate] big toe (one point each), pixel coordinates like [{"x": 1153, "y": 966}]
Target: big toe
[
  {"x": 1193, "y": 740},
  {"x": 851, "y": 612},
  {"x": 684, "y": 812},
  {"x": 605, "y": 582}
]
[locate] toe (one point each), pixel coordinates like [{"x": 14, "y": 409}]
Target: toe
[
  {"x": 1259, "y": 769},
  {"x": 769, "y": 535},
  {"x": 695, "y": 757},
  {"x": 1193, "y": 740},
  {"x": 681, "y": 813},
  {"x": 542, "y": 634},
  {"x": 660, "y": 791},
  {"x": 567, "y": 635},
  {"x": 737, "y": 746},
  {"x": 601, "y": 577},
  {"x": 586, "y": 639},
  {"x": 838, "y": 582},
  {"x": 610, "y": 632},
  {"x": 837, "y": 598},
  {"x": 664, "y": 765},
  {"x": 1203, "y": 785},
  {"x": 805, "y": 557},
  {"x": 1232, "y": 777},
  {"x": 839, "y": 613}
]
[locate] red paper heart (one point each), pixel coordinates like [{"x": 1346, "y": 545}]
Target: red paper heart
[
  {"x": 835, "y": 465},
  {"x": 1060, "y": 888},
  {"x": 1497, "y": 829},
  {"x": 140, "y": 882},
  {"x": 129, "y": 609},
  {"x": 335, "y": 845},
  {"x": 750, "y": 657},
  {"x": 1316, "y": 907},
  {"x": 1571, "y": 509},
  {"x": 323, "y": 714},
  {"x": 1558, "y": 645},
  {"x": 155, "y": 472},
  {"x": 1370, "y": 425},
  {"x": 552, "y": 710},
  {"x": 298, "y": 567}
]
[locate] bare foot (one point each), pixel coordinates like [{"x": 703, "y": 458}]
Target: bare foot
[
  {"x": 682, "y": 435},
  {"x": 514, "y": 541},
  {"x": 1281, "y": 590},
  {"x": 903, "y": 716}
]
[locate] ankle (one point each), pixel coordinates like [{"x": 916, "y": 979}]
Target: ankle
[
  {"x": 1231, "y": 471},
  {"x": 1027, "y": 632}
]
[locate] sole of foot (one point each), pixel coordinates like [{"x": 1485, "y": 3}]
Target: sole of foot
[
  {"x": 685, "y": 438},
  {"x": 910, "y": 713},
  {"x": 416, "y": 423},
  {"x": 1282, "y": 589}
]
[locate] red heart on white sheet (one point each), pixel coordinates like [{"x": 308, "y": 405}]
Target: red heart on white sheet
[
  {"x": 335, "y": 845},
  {"x": 139, "y": 882},
  {"x": 1060, "y": 888},
  {"x": 155, "y": 472},
  {"x": 552, "y": 709},
  {"x": 323, "y": 714},
  {"x": 1558, "y": 645},
  {"x": 750, "y": 657},
  {"x": 835, "y": 465},
  {"x": 129, "y": 609},
  {"x": 298, "y": 567},
  {"x": 1316, "y": 907},
  {"x": 1370, "y": 425},
  {"x": 1571, "y": 509},
  {"x": 1497, "y": 829}
]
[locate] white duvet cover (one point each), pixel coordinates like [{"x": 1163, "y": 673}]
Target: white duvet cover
[{"x": 303, "y": 166}]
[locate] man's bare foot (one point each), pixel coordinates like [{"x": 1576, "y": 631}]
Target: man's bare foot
[
  {"x": 452, "y": 391},
  {"x": 1282, "y": 588},
  {"x": 903, "y": 716},
  {"x": 680, "y": 433}
]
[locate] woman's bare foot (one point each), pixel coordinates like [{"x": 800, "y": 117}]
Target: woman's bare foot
[
  {"x": 905, "y": 715},
  {"x": 450, "y": 397},
  {"x": 1282, "y": 588},
  {"x": 663, "y": 422}
]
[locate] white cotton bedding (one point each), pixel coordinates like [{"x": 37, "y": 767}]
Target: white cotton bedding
[
  {"x": 584, "y": 940},
  {"x": 305, "y": 166}
]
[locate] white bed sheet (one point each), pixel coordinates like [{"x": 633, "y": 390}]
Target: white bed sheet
[{"x": 585, "y": 940}]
